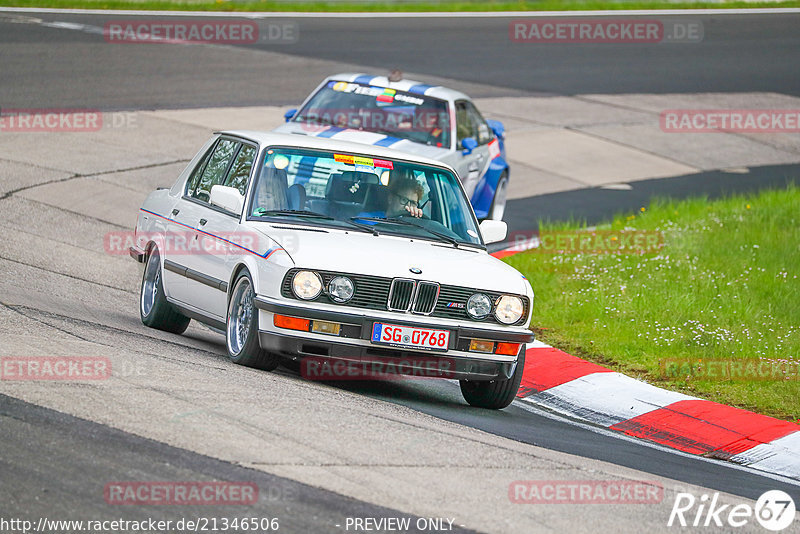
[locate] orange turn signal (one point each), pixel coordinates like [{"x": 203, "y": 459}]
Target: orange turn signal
[
  {"x": 292, "y": 323},
  {"x": 508, "y": 349},
  {"x": 481, "y": 345}
]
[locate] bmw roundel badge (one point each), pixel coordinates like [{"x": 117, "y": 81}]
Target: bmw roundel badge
[{"x": 415, "y": 270}]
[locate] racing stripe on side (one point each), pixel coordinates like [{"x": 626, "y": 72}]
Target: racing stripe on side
[{"x": 270, "y": 251}]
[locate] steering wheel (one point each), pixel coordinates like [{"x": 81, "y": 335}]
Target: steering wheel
[{"x": 409, "y": 216}]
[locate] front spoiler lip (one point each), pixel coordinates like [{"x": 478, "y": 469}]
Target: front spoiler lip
[
  {"x": 366, "y": 357},
  {"x": 516, "y": 335}
]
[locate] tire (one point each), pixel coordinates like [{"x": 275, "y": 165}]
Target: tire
[
  {"x": 154, "y": 309},
  {"x": 241, "y": 328},
  {"x": 498, "y": 208},
  {"x": 496, "y": 394}
]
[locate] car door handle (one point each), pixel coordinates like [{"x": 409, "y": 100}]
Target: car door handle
[
  {"x": 203, "y": 222},
  {"x": 175, "y": 211}
]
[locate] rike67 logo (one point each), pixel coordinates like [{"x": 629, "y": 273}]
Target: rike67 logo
[{"x": 774, "y": 510}]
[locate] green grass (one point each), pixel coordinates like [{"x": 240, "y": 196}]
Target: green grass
[
  {"x": 386, "y": 6},
  {"x": 725, "y": 286}
]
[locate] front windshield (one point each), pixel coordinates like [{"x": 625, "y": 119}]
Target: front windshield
[
  {"x": 412, "y": 116},
  {"x": 362, "y": 193}
]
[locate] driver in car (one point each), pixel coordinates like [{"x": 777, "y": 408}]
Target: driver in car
[{"x": 404, "y": 193}]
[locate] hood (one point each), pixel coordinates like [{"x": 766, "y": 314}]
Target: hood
[{"x": 393, "y": 256}]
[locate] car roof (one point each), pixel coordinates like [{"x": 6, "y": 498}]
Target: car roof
[
  {"x": 412, "y": 86},
  {"x": 307, "y": 141}
]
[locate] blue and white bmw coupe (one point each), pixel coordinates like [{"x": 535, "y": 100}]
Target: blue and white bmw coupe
[{"x": 430, "y": 121}]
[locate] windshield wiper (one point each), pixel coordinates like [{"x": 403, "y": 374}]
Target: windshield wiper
[
  {"x": 404, "y": 222},
  {"x": 295, "y": 213},
  {"x": 316, "y": 215}
]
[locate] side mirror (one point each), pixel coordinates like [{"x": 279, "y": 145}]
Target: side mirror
[
  {"x": 289, "y": 115},
  {"x": 498, "y": 128},
  {"x": 468, "y": 144},
  {"x": 227, "y": 198},
  {"x": 492, "y": 231}
]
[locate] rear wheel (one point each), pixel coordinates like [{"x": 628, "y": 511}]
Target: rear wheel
[
  {"x": 498, "y": 208},
  {"x": 497, "y": 393},
  {"x": 242, "y": 328},
  {"x": 154, "y": 309}
]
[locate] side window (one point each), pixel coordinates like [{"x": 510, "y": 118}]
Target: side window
[
  {"x": 463, "y": 123},
  {"x": 240, "y": 171},
  {"x": 191, "y": 184},
  {"x": 470, "y": 123},
  {"x": 215, "y": 170}
]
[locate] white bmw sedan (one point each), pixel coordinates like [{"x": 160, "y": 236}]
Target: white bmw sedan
[{"x": 324, "y": 251}]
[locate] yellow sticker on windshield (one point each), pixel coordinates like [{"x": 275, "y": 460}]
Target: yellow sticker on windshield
[
  {"x": 357, "y": 160},
  {"x": 360, "y": 160}
]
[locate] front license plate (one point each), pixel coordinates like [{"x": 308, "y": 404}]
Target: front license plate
[{"x": 409, "y": 336}]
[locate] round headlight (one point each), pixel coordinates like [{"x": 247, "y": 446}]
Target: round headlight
[
  {"x": 509, "y": 309},
  {"x": 306, "y": 285},
  {"x": 479, "y": 306},
  {"x": 340, "y": 289}
]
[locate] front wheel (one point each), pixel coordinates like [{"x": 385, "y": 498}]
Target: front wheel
[
  {"x": 496, "y": 394},
  {"x": 154, "y": 309},
  {"x": 498, "y": 208},
  {"x": 242, "y": 328}
]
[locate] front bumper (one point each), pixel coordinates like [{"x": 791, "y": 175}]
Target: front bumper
[{"x": 353, "y": 343}]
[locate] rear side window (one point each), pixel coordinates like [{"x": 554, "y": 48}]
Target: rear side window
[
  {"x": 214, "y": 170},
  {"x": 242, "y": 166}
]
